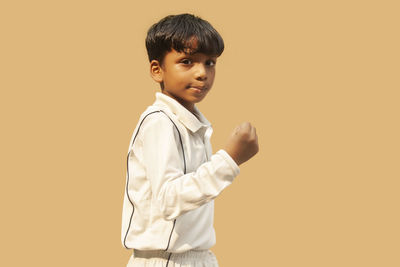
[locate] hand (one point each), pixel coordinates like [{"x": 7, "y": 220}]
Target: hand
[{"x": 242, "y": 143}]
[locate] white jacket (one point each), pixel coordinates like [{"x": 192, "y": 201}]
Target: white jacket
[{"x": 172, "y": 179}]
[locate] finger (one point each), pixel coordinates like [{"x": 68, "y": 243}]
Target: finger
[
  {"x": 237, "y": 129},
  {"x": 253, "y": 133},
  {"x": 246, "y": 126}
]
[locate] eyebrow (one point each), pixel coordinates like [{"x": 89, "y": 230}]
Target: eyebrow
[{"x": 194, "y": 55}]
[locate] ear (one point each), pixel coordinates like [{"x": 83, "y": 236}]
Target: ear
[{"x": 156, "y": 71}]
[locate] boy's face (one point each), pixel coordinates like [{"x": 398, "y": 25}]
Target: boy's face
[{"x": 186, "y": 78}]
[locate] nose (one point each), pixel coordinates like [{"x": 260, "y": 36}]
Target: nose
[{"x": 201, "y": 72}]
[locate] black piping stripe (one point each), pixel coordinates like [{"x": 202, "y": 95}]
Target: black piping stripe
[
  {"x": 170, "y": 235},
  {"x": 127, "y": 180},
  {"x": 133, "y": 207},
  {"x": 127, "y": 183},
  {"x": 168, "y": 259}
]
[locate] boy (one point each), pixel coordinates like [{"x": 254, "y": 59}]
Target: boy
[{"x": 172, "y": 176}]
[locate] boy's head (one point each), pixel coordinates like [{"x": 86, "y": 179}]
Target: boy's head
[
  {"x": 182, "y": 51},
  {"x": 183, "y": 33}
]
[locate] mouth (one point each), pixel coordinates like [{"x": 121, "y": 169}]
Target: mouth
[{"x": 198, "y": 89}]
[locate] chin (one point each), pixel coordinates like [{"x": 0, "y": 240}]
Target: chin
[{"x": 197, "y": 99}]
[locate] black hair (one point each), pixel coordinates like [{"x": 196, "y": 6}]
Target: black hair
[{"x": 184, "y": 33}]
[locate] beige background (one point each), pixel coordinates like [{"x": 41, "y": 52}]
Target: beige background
[{"x": 318, "y": 79}]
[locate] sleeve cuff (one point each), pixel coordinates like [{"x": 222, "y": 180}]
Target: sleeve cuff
[{"x": 230, "y": 161}]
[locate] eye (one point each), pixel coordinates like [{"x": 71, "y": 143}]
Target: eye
[
  {"x": 210, "y": 63},
  {"x": 186, "y": 61}
]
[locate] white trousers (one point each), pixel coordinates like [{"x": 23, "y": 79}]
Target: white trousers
[{"x": 159, "y": 258}]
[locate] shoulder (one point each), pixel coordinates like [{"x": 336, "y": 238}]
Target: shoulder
[{"x": 156, "y": 121}]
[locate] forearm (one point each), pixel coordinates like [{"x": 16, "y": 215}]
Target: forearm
[{"x": 187, "y": 192}]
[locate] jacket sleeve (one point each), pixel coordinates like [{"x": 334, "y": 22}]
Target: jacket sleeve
[{"x": 174, "y": 191}]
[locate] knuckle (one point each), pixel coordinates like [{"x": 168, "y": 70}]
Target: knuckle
[
  {"x": 246, "y": 136},
  {"x": 246, "y": 124}
]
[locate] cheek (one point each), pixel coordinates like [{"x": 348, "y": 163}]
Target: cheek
[
  {"x": 211, "y": 76},
  {"x": 180, "y": 76},
  {"x": 174, "y": 78},
  {"x": 184, "y": 78}
]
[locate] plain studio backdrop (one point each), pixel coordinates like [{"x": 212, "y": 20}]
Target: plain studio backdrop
[{"x": 318, "y": 79}]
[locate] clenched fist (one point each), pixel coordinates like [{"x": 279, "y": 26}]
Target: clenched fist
[{"x": 242, "y": 143}]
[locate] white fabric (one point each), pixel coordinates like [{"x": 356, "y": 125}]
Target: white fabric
[
  {"x": 191, "y": 258},
  {"x": 173, "y": 211}
]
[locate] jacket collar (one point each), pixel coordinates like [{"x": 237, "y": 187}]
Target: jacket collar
[{"x": 191, "y": 121}]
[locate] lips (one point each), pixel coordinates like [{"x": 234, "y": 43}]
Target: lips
[
  {"x": 199, "y": 87},
  {"x": 199, "y": 90}
]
